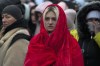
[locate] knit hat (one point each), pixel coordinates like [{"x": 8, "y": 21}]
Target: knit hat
[
  {"x": 13, "y": 10},
  {"x": 93, "y": 14}
]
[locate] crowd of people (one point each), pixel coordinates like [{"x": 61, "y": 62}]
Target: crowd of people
[{"x": 49, "y": 34}]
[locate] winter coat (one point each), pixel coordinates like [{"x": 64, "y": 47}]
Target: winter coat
[
  {"x": 90, "y": 48},
  {"x": 13, "y": 54}
]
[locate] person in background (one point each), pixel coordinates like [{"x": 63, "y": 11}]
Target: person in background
[
  {"x": 63, "y": 5},
  {"x": 71, "y": 18},
  {"x": 53, "y": 46},
  {"x": 13, "y": 37},
  {"x": 88, "y": 24},
  {"x": 32, "y": 22},
  {"x": 68, "y": 5}
]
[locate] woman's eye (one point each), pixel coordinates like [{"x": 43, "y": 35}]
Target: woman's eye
[
  {"x": 47, "y": 18},
  {"x": 54, "y": 19}
]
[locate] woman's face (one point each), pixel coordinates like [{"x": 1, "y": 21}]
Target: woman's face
[
  {"x": 7, "y": 20},
  {"x": 33, "y": 16},
  {"x": 50, "y": 21}
]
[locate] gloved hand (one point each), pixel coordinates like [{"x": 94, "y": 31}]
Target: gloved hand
[
  {"x": 94, "y": 26},
  {"x": 97, "y": 28},
  {"x": 91, "y": 26}
]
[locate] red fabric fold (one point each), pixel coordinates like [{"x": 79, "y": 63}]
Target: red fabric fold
[{"x": 58, "y": 49}]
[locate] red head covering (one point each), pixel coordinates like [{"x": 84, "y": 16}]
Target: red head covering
[{"x": 58, "y": 49}]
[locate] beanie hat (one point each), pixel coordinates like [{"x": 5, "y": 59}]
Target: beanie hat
[
  {"x": 93, "y": 14},
  {"x": 14, "y": 11}
]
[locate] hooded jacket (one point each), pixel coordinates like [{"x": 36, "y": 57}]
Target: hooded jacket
[
  {"x": 71, "y": 17},
  {"x": 90, "y": 48}
]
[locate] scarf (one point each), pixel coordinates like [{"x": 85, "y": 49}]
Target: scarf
[{"x": 57, "y": 49}]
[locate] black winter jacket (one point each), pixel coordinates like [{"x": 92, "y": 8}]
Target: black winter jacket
[{"x": 90, "y": 49}]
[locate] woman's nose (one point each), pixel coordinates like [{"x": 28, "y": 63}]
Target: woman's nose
[{"x": 50, "y": 21}]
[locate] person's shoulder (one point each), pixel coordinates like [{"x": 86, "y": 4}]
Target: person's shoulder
[
  {"x": 73, "y": 41},
  {"x": 20, "y": 34},
  {"x": 35, "y": 37},
  {"x": 34, "y": 40}
]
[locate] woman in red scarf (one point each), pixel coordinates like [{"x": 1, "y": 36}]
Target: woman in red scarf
[{"x": 53, "y": 46}]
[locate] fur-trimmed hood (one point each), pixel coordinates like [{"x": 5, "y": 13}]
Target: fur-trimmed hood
[{"x": 81, "y": 18}]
